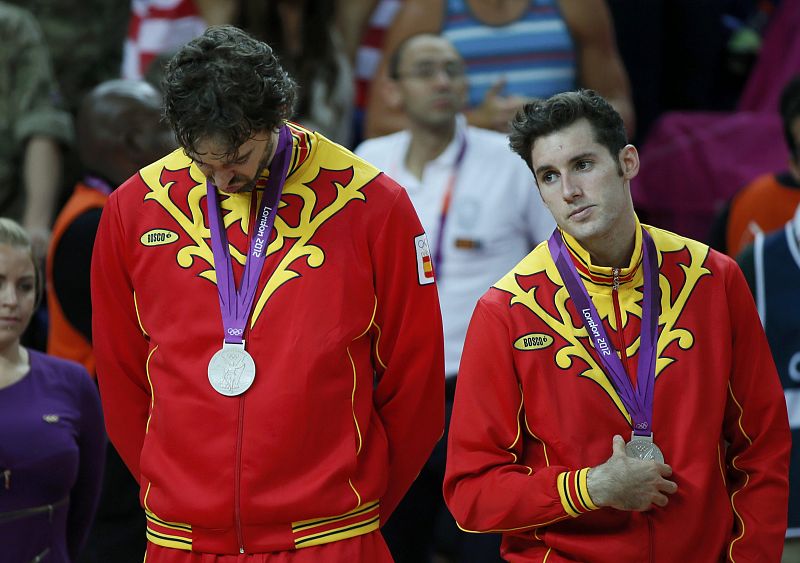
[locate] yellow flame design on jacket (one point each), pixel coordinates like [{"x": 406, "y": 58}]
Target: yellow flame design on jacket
[
  {"x": 324, "y": 162},
  {"x": 673, "y": 301}
]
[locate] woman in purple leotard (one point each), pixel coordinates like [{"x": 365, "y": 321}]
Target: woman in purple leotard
[{"x": 52, "y": 440}]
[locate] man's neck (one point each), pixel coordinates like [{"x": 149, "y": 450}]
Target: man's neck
[
  {"x": 614, "y": 258},
  {"x": 426, "y": 144},
  {"x": 614, "y": 249}
]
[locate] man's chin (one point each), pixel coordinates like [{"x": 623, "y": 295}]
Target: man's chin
[{"x": 440, "y": 117}]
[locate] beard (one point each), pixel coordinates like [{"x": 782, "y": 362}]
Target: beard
[{"x": 250, "y": 183}]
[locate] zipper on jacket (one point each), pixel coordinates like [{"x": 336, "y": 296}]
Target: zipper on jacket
[
  {"x": 237, "y": 479},
  {"x": 620, "y": 343},
  {"x": 650, "y": 540}
]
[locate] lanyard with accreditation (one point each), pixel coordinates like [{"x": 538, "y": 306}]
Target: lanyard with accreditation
[
  {"x": 231, "y": 370},
  {"x": 438, "y": 249},
  {"x": 637, "y": 400}
]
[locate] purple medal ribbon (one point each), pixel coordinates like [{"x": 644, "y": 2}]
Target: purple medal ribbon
[
  {"x": 446, "y": 201},
  {"x": 98, "y": 184},
  {"x": 234, "y": 303},
  {"x": 638, "y": 401}
]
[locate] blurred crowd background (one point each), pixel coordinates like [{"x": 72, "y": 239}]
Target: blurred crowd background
[{"x": 707, "y": 88}]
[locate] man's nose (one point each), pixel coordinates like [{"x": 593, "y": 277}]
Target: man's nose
[
  {"x": 569, "y": 188},
  {"x": 222, "y": 178},
  {"x": 442, "y": 77}
]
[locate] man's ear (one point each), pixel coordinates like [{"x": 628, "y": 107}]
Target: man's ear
[{"x": 629, "y": 162}]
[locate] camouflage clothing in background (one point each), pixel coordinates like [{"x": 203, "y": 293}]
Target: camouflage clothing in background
[
  {"x": 29, "y": 101},
  {"x": 85, "y": 39}
]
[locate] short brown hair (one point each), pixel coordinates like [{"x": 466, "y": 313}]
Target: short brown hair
[{"x": 540, "y": 118}]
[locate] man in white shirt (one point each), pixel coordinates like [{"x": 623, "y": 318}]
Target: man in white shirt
[{"x": 482, "y": 214}]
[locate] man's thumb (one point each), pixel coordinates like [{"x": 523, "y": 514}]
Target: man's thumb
[{"x": 618, "y": 445}]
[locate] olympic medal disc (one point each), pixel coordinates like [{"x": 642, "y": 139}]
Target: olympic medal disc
[
  {"x": 644, "y": 448},
  {"x": 231, "y": 370}
]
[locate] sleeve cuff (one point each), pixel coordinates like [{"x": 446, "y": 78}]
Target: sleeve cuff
[
  {"x": 51, "y": 122},
  {"x": 574, "y": 493}
]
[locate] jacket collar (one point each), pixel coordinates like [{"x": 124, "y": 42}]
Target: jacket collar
[{"x": 603, "y": 276}]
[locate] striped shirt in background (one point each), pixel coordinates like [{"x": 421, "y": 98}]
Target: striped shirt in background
[
  {"x": 535, "y": 54},
  {"x": 157, "y": 27},
  {"x": 369, "y": 53}
]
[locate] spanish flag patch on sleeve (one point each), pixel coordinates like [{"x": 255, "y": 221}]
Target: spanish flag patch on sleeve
[{"x": 424, "y": 261}]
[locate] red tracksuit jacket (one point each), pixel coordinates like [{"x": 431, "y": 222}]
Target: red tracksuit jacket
[
  {"x": 346, "y": 335},
  {"x": 534, "y": 410}
]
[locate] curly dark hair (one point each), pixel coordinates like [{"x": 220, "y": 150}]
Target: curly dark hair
[
  {"x": 543, "y": 117},
  {"x": 226, "y": 86}
]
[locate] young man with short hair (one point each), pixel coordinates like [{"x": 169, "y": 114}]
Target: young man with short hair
[{"x": 620, "y": 338}]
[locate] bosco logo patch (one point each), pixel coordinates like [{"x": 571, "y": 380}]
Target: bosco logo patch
[
  {"x": 533, "y": 341},
  {"x": 158, "y": 237}
]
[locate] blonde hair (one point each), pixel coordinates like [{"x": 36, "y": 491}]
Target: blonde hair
[{"x": 12, "y": 234}]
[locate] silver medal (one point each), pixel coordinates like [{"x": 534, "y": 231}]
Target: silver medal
[
  {"x": 643, "y": 447},
  {"x": 231, "y": 371}
]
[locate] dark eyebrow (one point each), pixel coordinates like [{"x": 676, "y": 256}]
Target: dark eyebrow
[
  {"x": 582, "y": 156},
  {"x": 240, "y": 157},
  {"x": 576, "y": 158},
  {"x": 193, "y": 156},
  {"x": 541, "y": 169}
]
